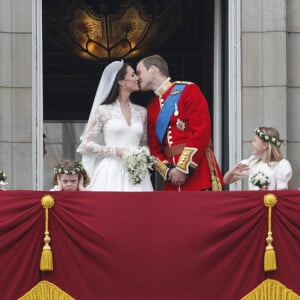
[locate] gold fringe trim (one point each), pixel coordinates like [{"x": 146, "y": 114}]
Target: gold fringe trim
[
  {"x": 271, "y": 289},
  {"x": 270, "y": 264},
  {"x": 46, "y": 262},
  {"x": 46, "y": 290},
  {"x": 216, "y": 184}
]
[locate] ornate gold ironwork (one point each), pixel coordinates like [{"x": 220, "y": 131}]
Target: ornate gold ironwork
[{"x": 104, "y": 34}]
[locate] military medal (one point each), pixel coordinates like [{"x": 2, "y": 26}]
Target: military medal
[
  {"x": 176, "y": 112},
  {"x": 180, "y": 125}
]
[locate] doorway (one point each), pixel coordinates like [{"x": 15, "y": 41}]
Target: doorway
[{"x": 69, "y": 82}]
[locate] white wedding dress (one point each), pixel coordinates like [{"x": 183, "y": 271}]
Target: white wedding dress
[{"x": 109, "y": 129}]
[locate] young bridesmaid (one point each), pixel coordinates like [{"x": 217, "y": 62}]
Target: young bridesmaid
[
  {"x": 266, "y": 168},
  {"x": 70, "y": 175}
]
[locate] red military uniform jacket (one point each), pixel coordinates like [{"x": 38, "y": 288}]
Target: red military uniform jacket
[{"x": 186, "y": 138}]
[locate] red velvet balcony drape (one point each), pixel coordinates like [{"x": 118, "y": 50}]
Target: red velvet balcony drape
[{"x": 149, "y": 246}]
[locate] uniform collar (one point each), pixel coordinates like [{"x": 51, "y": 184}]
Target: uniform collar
[{"x": 163, "y": 87}]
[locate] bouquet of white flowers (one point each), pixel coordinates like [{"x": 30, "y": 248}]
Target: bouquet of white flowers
[
  {"x": 260, "y": 179},
  {"x": 137, "y": 163},
  {"x": 3, "y": 178}
]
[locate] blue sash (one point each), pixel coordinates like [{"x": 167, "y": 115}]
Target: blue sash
[{"x": 167, "y": 110}]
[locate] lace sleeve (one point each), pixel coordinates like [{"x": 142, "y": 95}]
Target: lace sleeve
[
  {"x": 144, "y": 139},
  {"x": 92, "y": 142}
]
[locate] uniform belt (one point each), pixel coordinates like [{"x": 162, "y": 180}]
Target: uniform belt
[{"x": 172, "y": 151}]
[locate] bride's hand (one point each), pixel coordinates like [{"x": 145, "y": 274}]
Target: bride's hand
[{"x": 120, "y": 152}]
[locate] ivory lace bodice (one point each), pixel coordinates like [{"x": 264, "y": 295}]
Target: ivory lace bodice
[{"x": 109, "y": 129}]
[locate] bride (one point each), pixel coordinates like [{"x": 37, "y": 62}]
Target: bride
[{"x": 115, "y": 126}]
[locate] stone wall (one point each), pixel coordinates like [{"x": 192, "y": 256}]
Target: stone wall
[
  {"x": 270, "y": 74},
  {"x": 15, "y": 92},
  {"x": 293, "y": 87}
]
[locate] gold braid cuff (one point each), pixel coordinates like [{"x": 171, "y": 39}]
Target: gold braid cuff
[
  {"x": 161, "y": 168},
  {"x": 185, "y": 161}
]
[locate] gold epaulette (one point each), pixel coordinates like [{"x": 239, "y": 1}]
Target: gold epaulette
[
  {"x": 185, "y": 160},
  {"x": 161, "y": 168},
  {"x": 184, "y": 82}
]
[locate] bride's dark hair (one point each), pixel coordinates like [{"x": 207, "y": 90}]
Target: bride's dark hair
[{"x": 112, "y": 96}]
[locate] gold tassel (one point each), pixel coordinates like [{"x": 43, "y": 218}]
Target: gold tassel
[
  {"x": 46, "y": 262},
  {"x": 270, "y": 200}
]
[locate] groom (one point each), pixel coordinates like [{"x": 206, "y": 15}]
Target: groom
[{"x": 179, "y": 129}]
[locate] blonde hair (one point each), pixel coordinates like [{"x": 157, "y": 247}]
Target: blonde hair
[{"x": 273, "y": 153}]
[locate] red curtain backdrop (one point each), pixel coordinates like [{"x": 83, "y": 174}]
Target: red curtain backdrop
[{"x": 149, "y": 246}]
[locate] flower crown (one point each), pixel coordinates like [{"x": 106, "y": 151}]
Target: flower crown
[
  {"x": 3, "y": 177},
  {"x": 268, "y": 138},
  {"x": 70, "y": 170}
]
